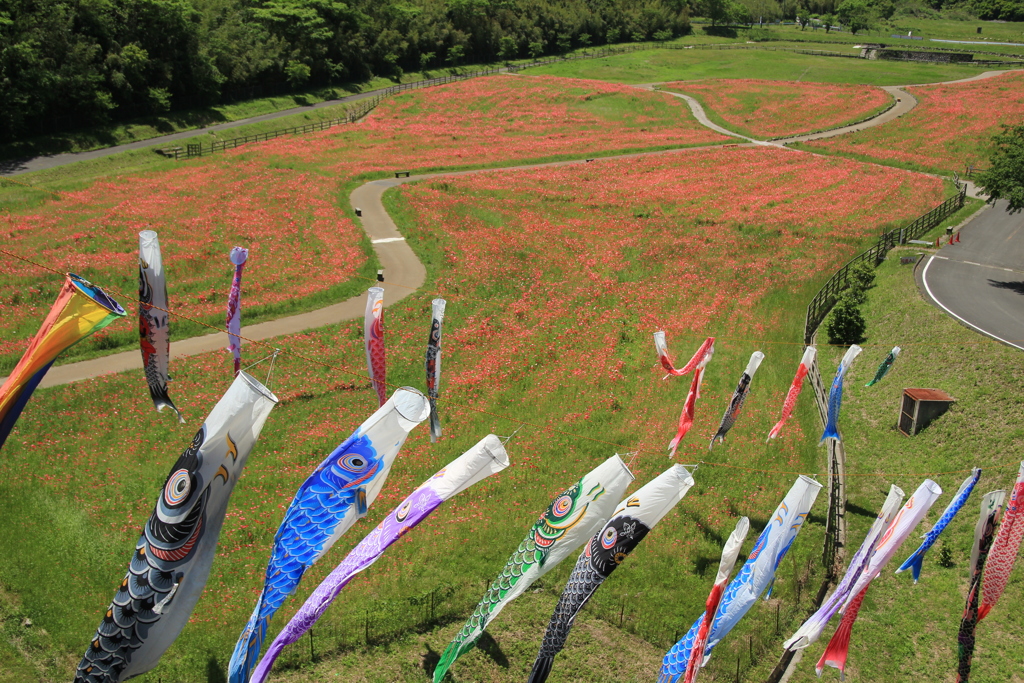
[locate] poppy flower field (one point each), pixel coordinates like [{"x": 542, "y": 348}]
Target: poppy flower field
[
  {"x": 556, "y": 279},
  {"x": 949, "y": 130},
  {"x": 773, "y": 109},
  {"x": 286, "y": 200}
]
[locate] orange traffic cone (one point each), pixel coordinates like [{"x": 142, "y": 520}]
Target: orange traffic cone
[
  {"x": 950, "y": 240},
  {"x": 957, "y": 240}
]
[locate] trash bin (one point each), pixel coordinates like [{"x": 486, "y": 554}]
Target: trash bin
[{"x": 949, "y": 230}]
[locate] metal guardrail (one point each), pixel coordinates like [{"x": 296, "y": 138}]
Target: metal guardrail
[{"x": 829, "y": 293}]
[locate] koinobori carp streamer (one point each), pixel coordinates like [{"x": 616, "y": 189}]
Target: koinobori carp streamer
[
  {"x": 739, "y": 397},
  {"x": 172, "y": 559},
  {"x": 632, "y": 520},
  {"x": 570, "y": 520},
  {"x": 373, "y": 340},
  {"x": 81, "y": 309},
  {"x": 337, "y": 494},
  {"x": 238, "y": 257},
  {"x": 433, "y": 365},
  {"x": 754, "y": 577},
  {"x": 794, "y": 391},
  {"x": 154, "y": 321},
  {"x": 730, "y": 553},
  {"x": 835, "y": 395},
  {"x": 485, "y": 458}
]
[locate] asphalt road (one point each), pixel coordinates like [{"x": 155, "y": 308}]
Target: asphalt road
[{"x": 980, "y": 280}]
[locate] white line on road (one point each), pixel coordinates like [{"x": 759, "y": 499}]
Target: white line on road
[
  {"x": 924, "y": 279},
  {"x": 385, "y": 240}
]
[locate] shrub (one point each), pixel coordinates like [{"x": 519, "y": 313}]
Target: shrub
[
  {"x": 845, "y": 323},
  {"x": 861, "y": 278}
]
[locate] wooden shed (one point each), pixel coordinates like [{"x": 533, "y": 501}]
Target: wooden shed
[{"x": 920, "y": 406}]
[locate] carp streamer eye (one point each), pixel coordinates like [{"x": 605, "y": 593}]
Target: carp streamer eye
[
  {"x": 403, "y": 511},
  {"x": 178, "y": 487},
  {"x": 608, "y": 538},
  {"x": 353, "y": 462},
  {"x": 561, "y": 506}
]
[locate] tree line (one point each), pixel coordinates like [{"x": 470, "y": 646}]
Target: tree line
[{"x": 75, "y": 63}]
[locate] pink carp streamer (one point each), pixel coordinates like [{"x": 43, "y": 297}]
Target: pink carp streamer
[
  {"x": 686, "y": 417},
  {"x": 705, "y": 349},
  {"x": 794, "y": 391},
  {"x": 234, "y": 317},
  {"x": 373, "y": 338},
  {"x": 730, "y": 552},
  {"x": 1004, "y": 549},
  {"x": 906, "y": 520}
]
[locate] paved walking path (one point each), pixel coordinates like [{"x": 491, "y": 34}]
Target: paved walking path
[{"x": 403, "y": 272}]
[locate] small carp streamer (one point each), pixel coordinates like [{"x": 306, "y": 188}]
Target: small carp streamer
[
  {"x": 434, "y": 365},
  {"x": 238, "y": 257},
  {"x": 811, "y": 630},
  {"x": 154, "y": 321},
  {"x": 487, "y": 457},
  {"x": 984, "y": 530},
  {"x": 707, "y": 351},
  {"x": 635, "y": 516},
  {"x": 902, "y": 525},
  {"x": 336, "y": 495},
  {"x": 373, "y": 340},
  {"x": 883, "y": 369},
  {"x": 739, "y": 397},
  {"x": 916, "y": 560},
  {"x": 730, "y": 553},
  {"x": 172, "y": 559},
  {"x": 835, "y": 395},
  {"x": 708, "y": 347},
  {"x": 81, "y": 309},
  {"x": 794, "y": 390},
  {"x": 754, "y": 577},
  {"x": 1004, "y": 549},
  {"x": 571, "y": 519}
]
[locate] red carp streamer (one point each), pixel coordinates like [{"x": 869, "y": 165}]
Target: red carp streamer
[
  {"x": 794, "y": 391},
  {"x": 1004, "y": 549},
  {"x": 659, "y": 343},
  {"x": 707, "y": 350},
  {"x": 373, "y": 337}
]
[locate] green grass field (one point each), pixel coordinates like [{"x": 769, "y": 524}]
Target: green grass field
[{"x": 656, "y": 66}]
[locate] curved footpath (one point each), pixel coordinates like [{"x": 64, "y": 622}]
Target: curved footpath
[{"x": 404, "y": 273}]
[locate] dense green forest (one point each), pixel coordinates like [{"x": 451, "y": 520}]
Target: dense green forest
[{"x": 67, "y": 64}]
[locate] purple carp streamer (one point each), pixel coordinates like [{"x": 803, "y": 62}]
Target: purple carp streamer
[
  {"x": 730, "y": 553},
  {"x": 172, "y": 559},
  {"x": 883, "y": 369},
  {"x": 373, "y": 339},
  {"x": 1004, "y": 549},
  {"x": 902, "y": 525},
  {"x": 336, "y": 495},
  {"x": 811, "y": 630},
  {"x": 434, "y": 365},
  {"x": 570, "y": 520},
  {"x": 635, "y": 516},
  {"x": 154, "y": 322},
  {"x": 238, "y": 257},
  {"x": 984, "y": 530},
  {"x": 753, "y": 579},
  {"x": 835, "y": 395},
  {"x": 81, "y": 308},
  {"x": 916, "y": 560},
  {"x": 794, "y": 391},
  {"x": 739, "y": 397},
  {"x": 487, "y": 457}
]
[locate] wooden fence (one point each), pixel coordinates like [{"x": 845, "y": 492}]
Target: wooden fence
[{"x": 829, "y": 294}]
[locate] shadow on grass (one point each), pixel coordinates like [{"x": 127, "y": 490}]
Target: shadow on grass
[
  {"x": 214, "y": 671},
  {"x": 489, "y": 646},
  {"x": 429, "y": 660}
]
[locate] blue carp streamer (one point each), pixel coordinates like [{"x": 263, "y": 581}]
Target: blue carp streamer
[
  {"x": 835, "y": 395},
  {"x": 916, "y": 560}
]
